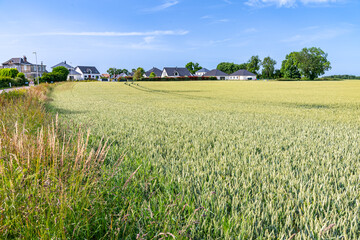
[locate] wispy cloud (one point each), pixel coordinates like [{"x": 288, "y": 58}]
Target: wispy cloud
[
  {"x": 103, "y": 34},
  {"x": 312, "y": 37},
  {"x": 285, "y": 3},
  {"x": 165, "y": 5}
]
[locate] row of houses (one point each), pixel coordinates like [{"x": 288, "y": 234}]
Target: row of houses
[
  {"x": 174, "y": 72},
  {"x": 31, "y": 70},
  {"x": 90, "y": 72}
]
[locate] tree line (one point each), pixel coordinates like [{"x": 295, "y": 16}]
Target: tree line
[{"x": 309, "y": 63}]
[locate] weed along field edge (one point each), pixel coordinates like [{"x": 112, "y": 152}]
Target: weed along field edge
[{"x": 229, "y": 160}]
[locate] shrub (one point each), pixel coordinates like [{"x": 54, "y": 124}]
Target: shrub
[
  {"x": 4, "y": 81},
  {"x": 9, "y": 72}
]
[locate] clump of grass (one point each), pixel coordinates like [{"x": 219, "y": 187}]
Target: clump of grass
[{"x": 50, "y": 184}]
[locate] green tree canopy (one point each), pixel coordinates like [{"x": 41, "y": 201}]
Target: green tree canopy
[
  {"x": 114, "y": 71},
  {"x": 230, "y": 68},
  {"x": 138, "y": 75},
  {"x": 63, "y": 72},
  {"x": 193, "y": 67},
  {"x": 289, "y": 67},
  {"x": 313, "y": 62},
  {"x": 9, "y": 72},
  {"x": 268, "y": 67},
  {"x": 254, "y": 64}
]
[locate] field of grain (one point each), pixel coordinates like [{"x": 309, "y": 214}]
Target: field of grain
[{"x": 229, "y": 160}]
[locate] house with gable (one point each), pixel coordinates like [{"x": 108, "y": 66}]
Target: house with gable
[
  {"x": 88, "y": 72},
  {"x": 154, "y": 70},
  {"x": 22, "y": 65},
  {"x": 73, "y": 75},
  {"x": 242, "y": 74},
  {"x": 202, "y": 72},
  {"x": 175, "y": 72},
  {"x": 220, "y": 75}
]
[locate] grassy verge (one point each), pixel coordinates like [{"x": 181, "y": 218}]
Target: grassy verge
[
  {"x": 50, "y": 185},
  {"x": 53, "y": 185}
]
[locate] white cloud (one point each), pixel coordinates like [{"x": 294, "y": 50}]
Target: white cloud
[
  {"x": 285, "y": 3},
  {"x": 165, "y": 5},
  {"x": 105, "y": 34}
]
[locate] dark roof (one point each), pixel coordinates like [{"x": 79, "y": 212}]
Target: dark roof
[
  {"x": 16, "y": 61},
  {"x": 73, "y": 72},
  {"x": 182, "y": 72},
  {"x": 203, "y": 70},
  {"x": 243, "y": 72},
  {"x": 155, "y": 70},
  {"x": 88, "y": 70},
  {"x": 62, "y": 64},
  {"x": 215, "y": 73}
]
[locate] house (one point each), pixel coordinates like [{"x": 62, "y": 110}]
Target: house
[
  {"x": 73, "y": 75},
  {"x": 202, "y": 72},
  {"x": 63, "y": 64},
  {"x": 121, "y": 75},
  {"x": 22, "y": 65},
  {"x": 154, "y": 70},
  {"x": 87, "y": 72},
  {"x": 174, "y": 72},
  {"x": 242, "y": 75},
  {"x": 220, "y": 75}
]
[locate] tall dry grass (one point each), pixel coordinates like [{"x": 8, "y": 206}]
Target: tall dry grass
[{"x": 51, "y": 185}]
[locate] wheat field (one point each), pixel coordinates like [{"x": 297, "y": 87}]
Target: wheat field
[{"x": 240, "y": 160}]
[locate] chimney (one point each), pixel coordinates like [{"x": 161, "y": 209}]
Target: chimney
[
  {"x": 65, "y": 62},
  {"x": 25, "y": 59}
]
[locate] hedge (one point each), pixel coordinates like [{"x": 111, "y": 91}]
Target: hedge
[
  {"x": 17, "y": 82},
  {"x": 159, "y": 79}
]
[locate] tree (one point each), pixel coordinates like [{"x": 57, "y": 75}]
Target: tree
[
  {"x": 313, "y": 62},
  {"x": 114, "y": 71},
  {"x": 125, "y": 71},
  {"x": 63, "y": 72},
  {"x": 138, "y": 75},
  {"x": 278, "y": 74},
  {"x": 230, "y": 68},
  {"x": 290, "y": 66},
  {"x": 193, "y": 67},
  {"x": 254, "y": 64},
  {"x": 152, "y": 75},
  {"x": 268, "y": 69}
]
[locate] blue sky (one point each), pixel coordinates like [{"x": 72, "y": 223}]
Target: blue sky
[{"x": 129, "y": 34}]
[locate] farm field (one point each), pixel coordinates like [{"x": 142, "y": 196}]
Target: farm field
[{"x": 228, "y": 160}]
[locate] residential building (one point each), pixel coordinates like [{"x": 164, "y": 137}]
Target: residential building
[
  {"x": 154, "y": 70},
  {"x": 88, "y": 72},
  {"x": 242, "y": 75},
  {"x": 73, "y": 75},
  {"x": 201, "y": 72},
  {"x": 174, "y": 72},
  {"x": 220, "y": 75},
  {"x": 22, "y": 65}
]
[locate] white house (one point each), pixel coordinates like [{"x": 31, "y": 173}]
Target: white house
[
  {"x": 202, "y": 72},
  {"x": 220, "y": 75},
  {"x": 87, "y": 72},
  {"x": 242, "y": 75},
  {"x": 175, "y": 72},
  {"x": 73, "y": 75}
]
